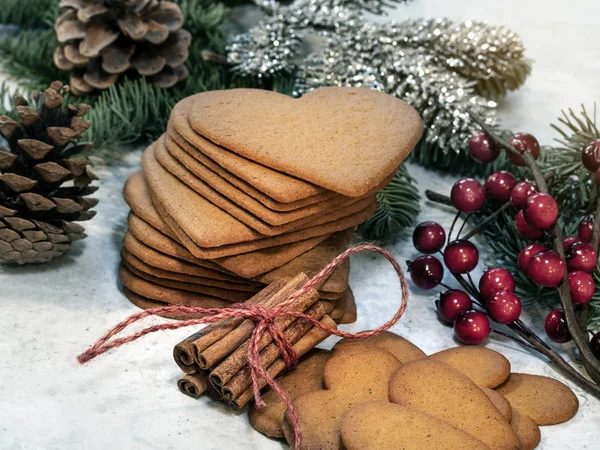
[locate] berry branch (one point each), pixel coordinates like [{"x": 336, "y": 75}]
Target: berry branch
[
  {"x": 578, "y": 334},
  {"x": 472, "y": 308}
]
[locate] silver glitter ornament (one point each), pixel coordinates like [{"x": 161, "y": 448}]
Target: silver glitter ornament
[{"x": 440, "y": 66}]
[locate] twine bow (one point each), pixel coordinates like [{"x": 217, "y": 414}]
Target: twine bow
[{"x": 265, "y": 322}]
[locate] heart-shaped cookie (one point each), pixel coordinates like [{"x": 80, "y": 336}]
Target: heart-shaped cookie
[{"x": 343, "y": 139}]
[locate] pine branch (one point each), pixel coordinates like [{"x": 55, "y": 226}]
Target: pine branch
[
  {"x": 397, "y": 208},
  {"x": 29, "y": 13},
  {"x": 27, "y": 57}
]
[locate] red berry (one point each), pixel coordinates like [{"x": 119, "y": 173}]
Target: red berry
[
  {"x": 461, "y": 256},
  {"x": 472, "y": 327},
  {"x": 452, "y": 303},
  {"x": 541, "y": 210},
  {"x": 556, "y": 327},
  {"x": 526, "y": 254},
  {"x": 546, "y": 268},
  {"x": 581, "y": 256},
  {"x": 590, "y": 156},
  {"x": 585, "y": 229},
  {"x": 467, "y": 195},
  {"x": 523, "y": 142},
  {"x": 495, "y": 280},
  {"x": 595, "y": 345},
  {"x": 582, "y": 286},
  {"x": 429, "y": 237},
  {"x": 597, "y": 179},
  {"x": 526, "y": 230},
  {"x": 426, "y": 272},
  {"x": 500, "y": 184},
  {"x": 504, "y": 307},
  {"x": 521, "y": 193},
  {"x": 567, "y": 242},
  {"x": 482, "y": 148}
]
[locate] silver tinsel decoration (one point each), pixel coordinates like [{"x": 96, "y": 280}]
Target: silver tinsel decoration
[{"x": 440, "y": 66}]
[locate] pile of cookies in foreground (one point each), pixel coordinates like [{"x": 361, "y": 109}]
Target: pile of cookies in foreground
[
  {"x": 249, "y": 186},
  {"x": 384, "y": 393}
]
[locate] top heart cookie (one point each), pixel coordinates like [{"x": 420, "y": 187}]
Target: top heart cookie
[{"x": 343, "y": 139}]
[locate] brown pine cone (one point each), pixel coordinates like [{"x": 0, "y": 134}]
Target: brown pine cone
[
  {"x": 43, "y": 185},
  {"x": 103, "y": 41}
]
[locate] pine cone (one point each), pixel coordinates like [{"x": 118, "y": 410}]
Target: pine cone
[
  {"x": 103, "y": 41},
  {"x": 43, "y": 187}
]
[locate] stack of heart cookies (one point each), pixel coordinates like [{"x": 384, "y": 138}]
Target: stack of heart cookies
[{"x": 250, "y": 186}]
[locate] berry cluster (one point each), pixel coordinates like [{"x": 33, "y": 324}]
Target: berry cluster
[
  {"x": 471, "y": 309},
  {"x": 468, "y": 310}
]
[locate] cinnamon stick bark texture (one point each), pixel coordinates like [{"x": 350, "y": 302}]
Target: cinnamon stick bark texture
[
  {"x": 306, "y": 343},
  {"x": 216, "y": 357},
  {"x": 193, "y": 384},
  {"x": 242, "y": 378},
  {"x": 236, "y": 360},
  {"x": 208, "y": 357},
  {"x": 185, "y": 353}
]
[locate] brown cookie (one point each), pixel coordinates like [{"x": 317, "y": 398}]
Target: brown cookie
[
  {"x": 247, "y": 218},
  {"x": 247, "y": 265},
  {"x": 166, "y": 262},
  {"x": 146, "y": 303},
  {"x": 258, "y": 262},
  {"x": 220, "y": 293},
  {"x": 207, "y": 225},
  {"x": 485, "y": 367},
  {"x": 167, "y": 295},
  {"x": 306, "y": 377},
  {"x": 404, "y": 350},
  {"x": 314, "y": 260},
  {"x": 138, "y": 198},
  {"x": 245, "y": 247},
  {"x": 384, "y": 130},
  {"x": 386, "y": 426},
  {"x": 354, "y": 375},
  {"x": 499, "y": 402},
  {"x": 545, "y": 400},
  {"x": 437, "y": 389},
  {"x": 527, "y": 430},
  {"x": 236, "y": 202},
  {"x": 134, "y": 261},
  {"x": 345, "y": 308},
  {"x": 282, "y": 188}
]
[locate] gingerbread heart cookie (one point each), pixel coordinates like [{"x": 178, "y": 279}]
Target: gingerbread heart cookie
[
  {"x": 352, "y": 375},
  {"x": 335, "y": 130}
]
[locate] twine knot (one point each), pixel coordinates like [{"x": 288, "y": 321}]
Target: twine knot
[{"x": 265, "y": 319}]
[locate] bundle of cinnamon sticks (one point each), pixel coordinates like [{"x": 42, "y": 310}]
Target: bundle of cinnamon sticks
[{"x": 214, "y": 359}]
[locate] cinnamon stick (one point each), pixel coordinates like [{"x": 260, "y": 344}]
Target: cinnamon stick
[
  {"x": 185, "y": 352},
  {"x": 307, "y": 342},
  {"x": 193, "y": 384},
  {"x": 208, "y": 357},
  {"x": 236, "y": 360},
  {"x": 243, "y": 378}
]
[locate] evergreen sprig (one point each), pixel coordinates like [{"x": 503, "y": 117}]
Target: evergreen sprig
[
  {"x": 29, "y": 13},
  {"x": 397, "y": 208}
]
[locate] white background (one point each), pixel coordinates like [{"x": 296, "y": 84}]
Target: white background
[{"x": 128, "y": 398}]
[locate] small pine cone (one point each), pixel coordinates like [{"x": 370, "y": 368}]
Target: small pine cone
[
  {"x": 104, "y": 41},
  {"x": 43, "y": 184}
]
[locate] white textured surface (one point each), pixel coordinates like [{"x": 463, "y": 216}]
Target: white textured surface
[{"x": 128, "y": 398}]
